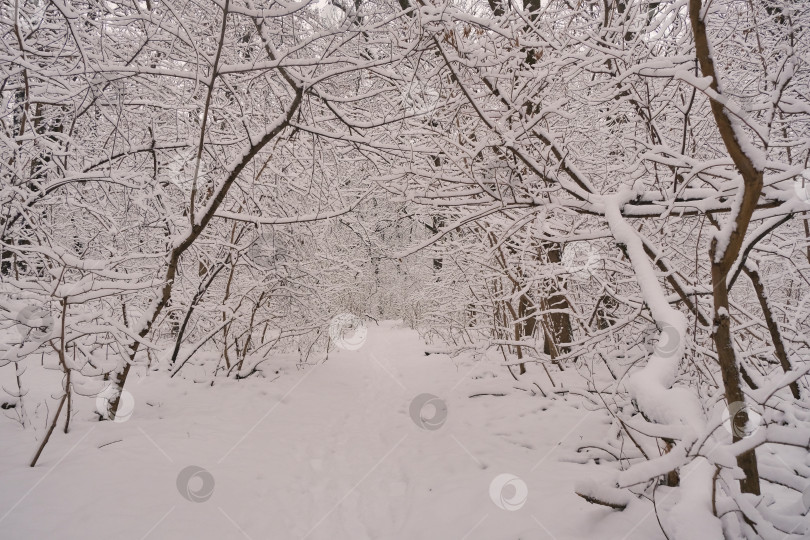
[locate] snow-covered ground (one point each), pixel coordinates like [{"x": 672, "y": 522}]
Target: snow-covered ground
[{"x": 333, "y": 451}]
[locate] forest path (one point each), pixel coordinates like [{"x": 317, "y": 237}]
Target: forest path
[{"x": 330, "y": 452}]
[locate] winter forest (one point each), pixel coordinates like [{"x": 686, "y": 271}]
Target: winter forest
[{"x": 413, "y": 269}]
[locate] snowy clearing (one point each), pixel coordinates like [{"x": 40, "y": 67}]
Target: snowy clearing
[{"x": 327, "y": 452}]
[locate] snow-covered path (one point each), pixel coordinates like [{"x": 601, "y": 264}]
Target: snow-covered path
[{"x": 330, "y": 452}]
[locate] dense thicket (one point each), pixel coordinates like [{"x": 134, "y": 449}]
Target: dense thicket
[{"x": 618, "y": 187}]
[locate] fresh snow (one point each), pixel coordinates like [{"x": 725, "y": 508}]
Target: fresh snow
[{"x": 328, "y": 451}]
